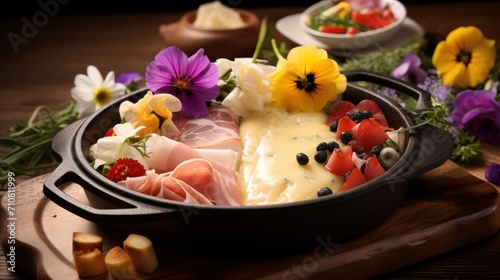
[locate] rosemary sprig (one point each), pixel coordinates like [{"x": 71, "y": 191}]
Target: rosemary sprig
[
  {"x": 139, "y": 143},
  {"x": 28, "y": 149},
  {"x": 383, "y": 61},
  {"x": 436, "y": 115},
  {"x": 466, "y": 149}
]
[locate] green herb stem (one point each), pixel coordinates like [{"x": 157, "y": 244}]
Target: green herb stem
[{"x": 28, "y": 149}]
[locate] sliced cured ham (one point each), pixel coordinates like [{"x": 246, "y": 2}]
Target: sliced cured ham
[
  {"x": 220, "y": 130},
  {"x": 226, "y": 157},
  {"x": 166, "y": 186},
  {"x": 183, "y": 174}
]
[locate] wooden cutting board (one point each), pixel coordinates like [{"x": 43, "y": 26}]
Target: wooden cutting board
[{"x": 446, "y": 208}]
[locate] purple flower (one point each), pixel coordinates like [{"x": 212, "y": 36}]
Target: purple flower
[
  {"x": 392, "y": 94},
  {"x": 193, "y": 80},
  {"x": 441, "y": 92},
  {"x": 477, "y": 112},
  {"x": 128, "y": 78},
  {"x": 410, "y": 71},
  {"x": 493, "y": 173}
]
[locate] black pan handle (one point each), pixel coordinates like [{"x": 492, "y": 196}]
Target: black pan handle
[
  {"x": 125, "y": 209},
  {"x": 430, "y": 148},
  {"x": 423, "y": 97}
]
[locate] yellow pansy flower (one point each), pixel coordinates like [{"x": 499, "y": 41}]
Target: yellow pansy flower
[
  {"x": 153, "y": 112},
  {"x": 465, "y": 58},
  {"x": 306, "y": 80}
]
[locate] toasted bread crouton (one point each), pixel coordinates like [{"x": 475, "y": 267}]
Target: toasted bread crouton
[
  {"x": 89, "y": 263},
  {"x": 119, "y": 264},
  {"x": 141, "y": 252},
  {"x": 86, "y": 242}
]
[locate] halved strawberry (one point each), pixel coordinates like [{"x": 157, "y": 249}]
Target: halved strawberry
[
  {"x": 354, "y": 179},
  {"x": 340, "y": 110},
  {"x": 369, "y": 133},
  {"x": 372, "y": 106},
  {"x": 340, "y": 161},
  {"x": 345, "y": 124}
]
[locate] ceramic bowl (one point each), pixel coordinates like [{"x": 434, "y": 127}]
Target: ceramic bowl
[
  {"x": 221, "y": 43},
  {"x": 363, "y": 40}
]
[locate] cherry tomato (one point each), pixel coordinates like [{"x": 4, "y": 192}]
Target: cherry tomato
[
  {"x": 334, "y": 29},
  {"x": 373, "y": 168},
  {"x": 354, "y": 179},
  {"x": 369, "y": 133},
  {"x": 345, "y": 124},
  {"x": 352, "y": 30},
  {"x": 371, "y": 19},
  {"x": 340, "y": 161}
]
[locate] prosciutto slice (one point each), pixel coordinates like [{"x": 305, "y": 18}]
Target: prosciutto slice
[
  {"x": 183, "y": 174},
  {"x": 220, "y": 130},
  {"x": 166, "y": 186}
]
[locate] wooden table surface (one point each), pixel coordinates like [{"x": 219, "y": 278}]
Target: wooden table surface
[{"x": 43, "y": 68}]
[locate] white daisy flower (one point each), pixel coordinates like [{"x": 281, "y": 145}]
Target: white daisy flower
[{"x": 92, "y": 92}]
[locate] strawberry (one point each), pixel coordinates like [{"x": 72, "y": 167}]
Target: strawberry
[
  {"x": 372, "y": 106},
  {"x": 125, "y": 167},
  {"x": 110, "y": 132},
  {"x": 340, "y": 110}
]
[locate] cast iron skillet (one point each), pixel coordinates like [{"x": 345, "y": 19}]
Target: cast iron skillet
[{"x": 303, "y": 225}]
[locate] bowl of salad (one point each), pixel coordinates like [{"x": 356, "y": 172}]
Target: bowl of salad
[{"x": 353, "y": 24}]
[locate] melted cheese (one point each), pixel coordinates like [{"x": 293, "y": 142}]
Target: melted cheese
[{"x": 269, "y": 172}]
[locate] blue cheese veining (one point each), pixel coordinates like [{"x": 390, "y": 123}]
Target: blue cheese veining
[{"x": 269, "y": 172}]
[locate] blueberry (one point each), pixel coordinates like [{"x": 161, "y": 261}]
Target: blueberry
[
  {"x": 323, "y": 146},
  {"x": 324, "y": 191},
  {"x": 376, "y": 150},
  {"x": 346, "y": 137},
  {"x": 333, "y": 126},
  {"x": 361, "y": 156},
  {"x": 366, "y": 114},
  {"x": 356, "y": 115},
  {"x": 302, "y": 159},
  {"x": 321, "y": 156},
  {"x": 332, "y": 145}
]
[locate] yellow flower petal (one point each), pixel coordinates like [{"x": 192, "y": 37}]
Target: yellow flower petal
[
  {"x": 307, "y": 80},
  {"x": 456, "y": 76},
  {"x": 465, "y": 38},
  {"x": 465, "y": 58},
  {"x": 304, "y": 56},
  {"x": 445, "y": 57},
  {"x": 157, "y": 104},
  {"x": 140, "y": 114}
]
